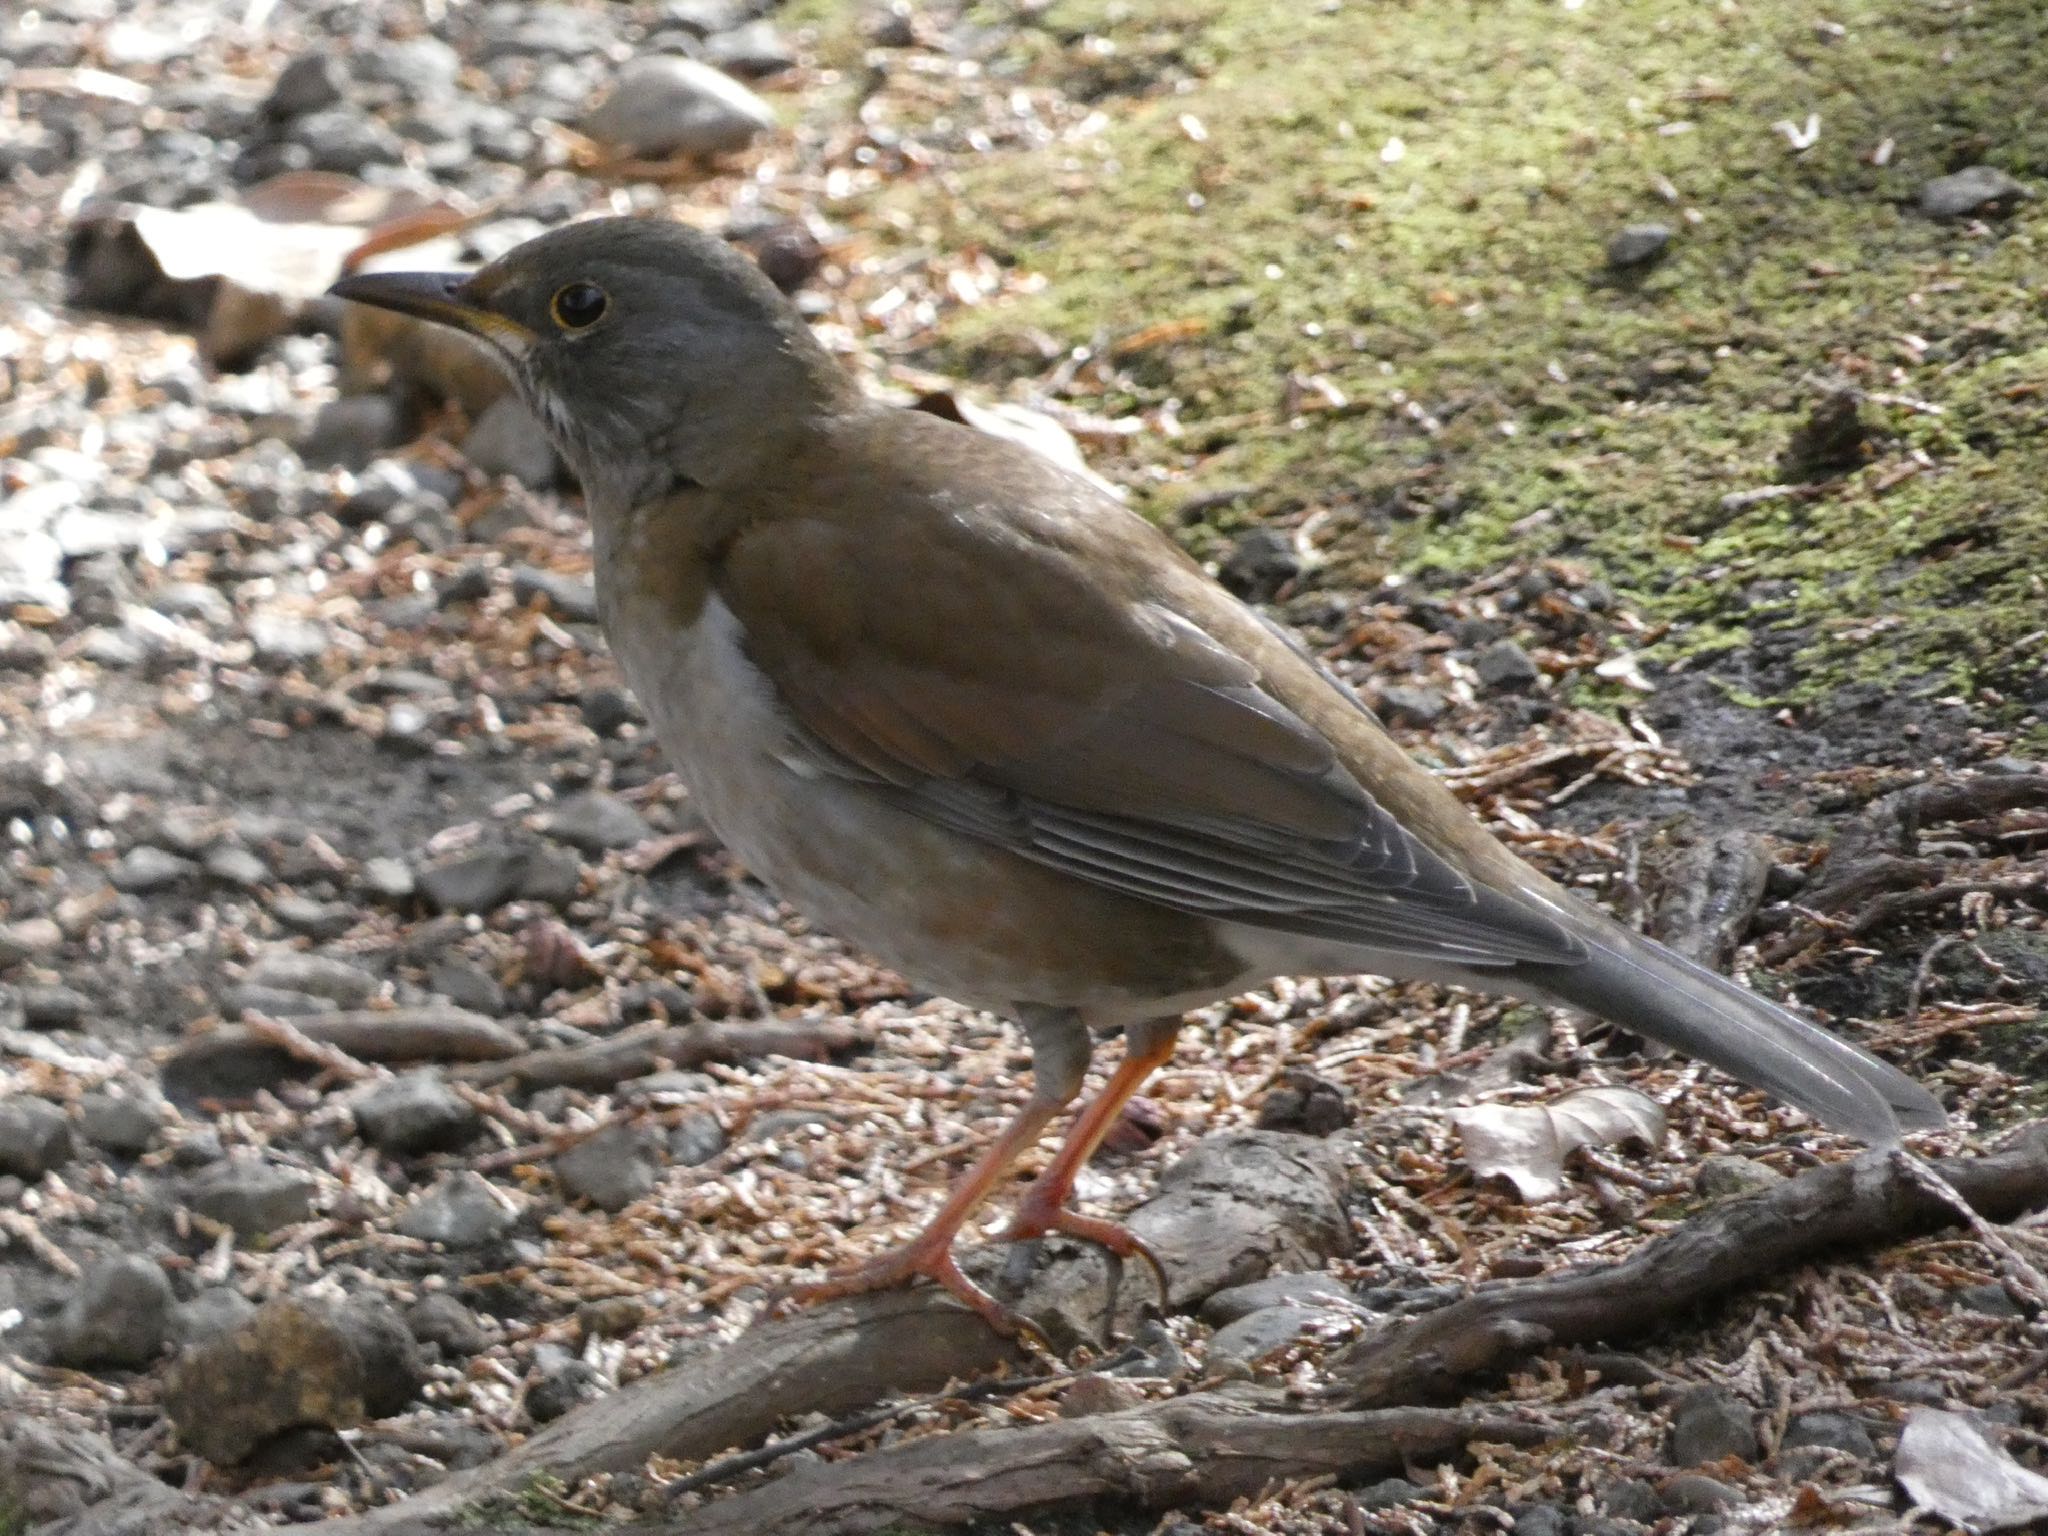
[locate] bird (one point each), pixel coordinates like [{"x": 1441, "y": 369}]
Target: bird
[{"x": 964, "y": 709}]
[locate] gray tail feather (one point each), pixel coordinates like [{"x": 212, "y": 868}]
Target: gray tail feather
[{"x": 1642, "y": 986}]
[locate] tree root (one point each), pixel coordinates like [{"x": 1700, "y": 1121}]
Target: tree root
[{"x": 606, "y": 1063}]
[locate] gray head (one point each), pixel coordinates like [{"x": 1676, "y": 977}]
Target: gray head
[{"x": 656, "y": 355}]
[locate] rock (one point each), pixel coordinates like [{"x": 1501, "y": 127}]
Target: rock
[
  {"x": 286, "y": 640},
  {"x": 311, "y": 82},
  {"x": 611, "y": 1169},
  {"x": 1242, "y": 1205},
  {"x": 508, "y": 439},
  {"x": 392, "y": 1369},
  {"x": 1823, "y": 1430},
  {"x": 119, "y": 1316},
  {"x": 125, "y": 1125},
  {"x": 349, "y": 432},
  {"x": 467, "y": 986},
  {"x": 460, "y": 1212},
  {"x": 380, "y": 486},
  {"x": 785, "y": 250},
  {"x": 52, "y": 1007},
  {"x": 1389, "y": 1492},
  {"x": 1726, "y": 1175},
  {"x": 552, "y": 875},
  {"x": 595, "y": 821},
  {"x": 143, "y": 870},
  {"x": 344, "y": 139},
  {"x": 230, "y": 865},
  {"x": 1631, "y": 1498},
  {"x": 293, "y": 1363},
  {"x": 412, "y": 1113},
  {"x": 1306, "y": 1103},
  {"x": 481, "y": 880},
  {"x": 252, "y": 1197},
  {"x": 419, "y": 69},
  {"x": 1541, "y": 1520},
  {"x": 1314, "y": 1291},
  {"x": 1988, "y": 1300},
  {"x": 1638, "y": 245},
  {"x": 295, "y": 970},
  {"x": 1974, "y": 189},
  {"x": 1413, "y": 706},
  {"x": 573, "y": 597},
  {"x": 559, "y": 1385},
  {"x": 609, "y": 1317},
  {"x": 608, "y": 710},
  {"x": 1709, "y": 1424},
  {"x": 388, "y": 879},
  {"x": 442, "y": 1321},
  {"x": 1505, "y": 664},
  {"x": 213, "y": 1312},
  {"x": 753, "y": 50},
  {"x": 1694, "y": 1493},
  {"x": 1095, "y": 1393},
  {"x": 1261, "y": 562},
  {"x": 35, "y": 1137},
  {"x": 278, "y": 1003},
  {"x": 697, "y": 1138},
  {"x": 1258, "y": 1334},
  {"x": 665, "y": 105}
]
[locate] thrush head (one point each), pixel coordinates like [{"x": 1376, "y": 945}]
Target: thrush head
[{"x": 657, "y": 356}]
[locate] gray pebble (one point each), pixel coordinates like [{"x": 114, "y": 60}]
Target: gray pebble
[
  {"x": 1972, "y": 190},
  {"x": 412, "y": 1113},
  {"x": 125, "y": 1125},
  {"x": 295, "y": 970},
  {"x": 508, "y": 439},
  {"x": 52, "y": 1007},
  {"x": 595, "y": 821},
  {"x": 35, "y": 1137},
  {"x": 145, "y": 870},
  {"x": 1505, "y": 664},
  {"x": 214, "y": 1311},
  {"x": 611, "y": 1169},
  {"x": 119, "y": 1316},
  {"x": 572, "y": 597},
  {"x": 459, "y": 1212},
  {"x": 665, "y": 105},
  {"x": 1710, "y": 1424},
  {"x": 1638, "y": 245},
  {"x": 439, "y": 1319},
  {"x": 252, "y": 1197}
]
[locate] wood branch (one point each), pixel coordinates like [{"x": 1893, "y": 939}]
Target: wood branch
[
  {"x": 606, "y": 1063},
  {"x": 1865, "y": 857},
  {"x": 76, "y": 1481},
  {"x": 1205, "y": 1449},
  {"x": 236, "y": 1063},
  {"x": 826, "y": 1360},
  {"x": 1712, "y": 892},
  {"x": 1868, "y": 1201}
]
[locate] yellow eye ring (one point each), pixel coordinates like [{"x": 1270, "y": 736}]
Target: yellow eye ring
[{"x": 578, "y": 306}]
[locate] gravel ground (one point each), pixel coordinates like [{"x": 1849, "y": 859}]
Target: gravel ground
[{"x": 322, "y": 796}]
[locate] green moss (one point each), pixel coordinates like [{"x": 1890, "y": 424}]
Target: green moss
[{"x": 1507, "y": 395}]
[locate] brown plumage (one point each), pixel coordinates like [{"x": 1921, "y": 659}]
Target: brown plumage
[{"x": 969, "y": 712}]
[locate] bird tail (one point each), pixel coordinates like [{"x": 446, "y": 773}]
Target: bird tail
[{"x": 1639, "y": 984}]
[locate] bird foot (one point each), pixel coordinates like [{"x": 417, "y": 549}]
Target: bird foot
[
  {"x": 923, "y": 1259},
  {"x": 1035, "y": 1219}
]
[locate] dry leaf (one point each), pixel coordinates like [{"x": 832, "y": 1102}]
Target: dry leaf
[
  {"x": 1527, "y": 1144},
  {"x": 1948, "y": 1465}
]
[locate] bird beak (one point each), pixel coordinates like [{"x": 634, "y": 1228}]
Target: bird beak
[{"x": 446, "y": 298}]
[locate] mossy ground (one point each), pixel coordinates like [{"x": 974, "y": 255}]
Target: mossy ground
[{"x": 1506, "y": 394}]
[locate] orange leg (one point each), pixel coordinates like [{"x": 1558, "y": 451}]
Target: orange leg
[
  {"x": 1060, "y": 1048},
  {"x": 1043, "y": 1206}
]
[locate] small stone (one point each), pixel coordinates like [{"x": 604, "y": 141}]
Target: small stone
[
  {"x": 392, "y": 1369},
  {"x": 607, "y": 710},
  {"x": 595, "y": 821},
  {"x": 752, "y": 51},
  {"x": 1094, "y": 1393},
  {"x": 1412, "y": 706},
  {"x": 785, "y": 250},
  {"x": 415, "y": 1112},
  {"x": 1822, "y": 1430},
  {"x": 252, "y": 1197},
  {"x": 1710, "y": 1424},
  {"x": 459, "y": 1212},
  {"x": 445, "y": 1323},
  {"x": 1726, "y": 1175},
  {"x": 52, "y": 1007},
  {"x": 665, "y": 105},
  {"x": 293, "y": 1363},
  {"x": 610, "y": 1317},
  {"x": 1310, "y": 1292},
  {"x": 1261, "y": 562},
  {"x": 508, "y": 439},
  {"x": 1694, "y": 1493},
  {"x": 228, "y": 864},
  {"x": 278, "y": 1002},
  {"x": 559, "y": 1386},
  {"x": 552, "y": 875},
  {"x": 311, "y": 82},
  {"x": 119, "y": 1316},
  {"x": 295, "y": 970},
  {"x": 35, "y": 1137},
  {"x": 697, "y": 1138},
  {"x": 286, "y": 640},
  {"x": 1505, "y": 664},
  {"x": 1630, "y": 1499},
  {"x": 572, "y": 597},
  {"x": 126, "y": 1125},
  {"x": 611, "y": 1169},
  {"x": 1258, "y": 1334},
  {"x": 467, "y": 986},
  {"x": 144, "y": 870},
  {"x": 351, "y": 431},
  {"x": 480, "y": 881},
  {"x": 214, "y": 1311},
  {"x": 1638, "y": 245},
  {"x": 1988, "y": 1300},
  {"x": 29, "y": 939},
  {"x": 1306, "y": 1103},
  {"x": 1541, "y": 1520},
  {"x": 344, "y": 139},
  {"x": 388, "y": 879},
  {"x": 380, "y": 486},
  {"x": 1974, "y": 189},
  {"x": 1387, "y": 1493}
]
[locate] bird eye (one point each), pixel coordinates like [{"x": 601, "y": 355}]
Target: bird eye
[{"x": 578, "y": 306}]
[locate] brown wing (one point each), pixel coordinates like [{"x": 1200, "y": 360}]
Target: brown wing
[{"x": 1001, "y": 670}]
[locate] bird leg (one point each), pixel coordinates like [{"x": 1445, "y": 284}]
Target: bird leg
[
  {"x": 1043, "y": 1208},
  {"x": 1060, "y": 1047}
]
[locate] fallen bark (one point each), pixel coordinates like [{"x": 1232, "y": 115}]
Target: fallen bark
[
  {"x": 826, "y": 1360},
  {"x": 1197, "y": 1451},
  {"x": 1713, "y": 892},
  {"x": 1864, "y": 1203},
  {"x": 606, "y": 1063}
]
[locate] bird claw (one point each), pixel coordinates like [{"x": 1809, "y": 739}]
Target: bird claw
[
  {"x": 1116, "y": 1241},
  {"x": 899, "y": 1266}
]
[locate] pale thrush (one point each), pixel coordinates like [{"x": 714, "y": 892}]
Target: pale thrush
[{"x": 965, "y": 710}]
